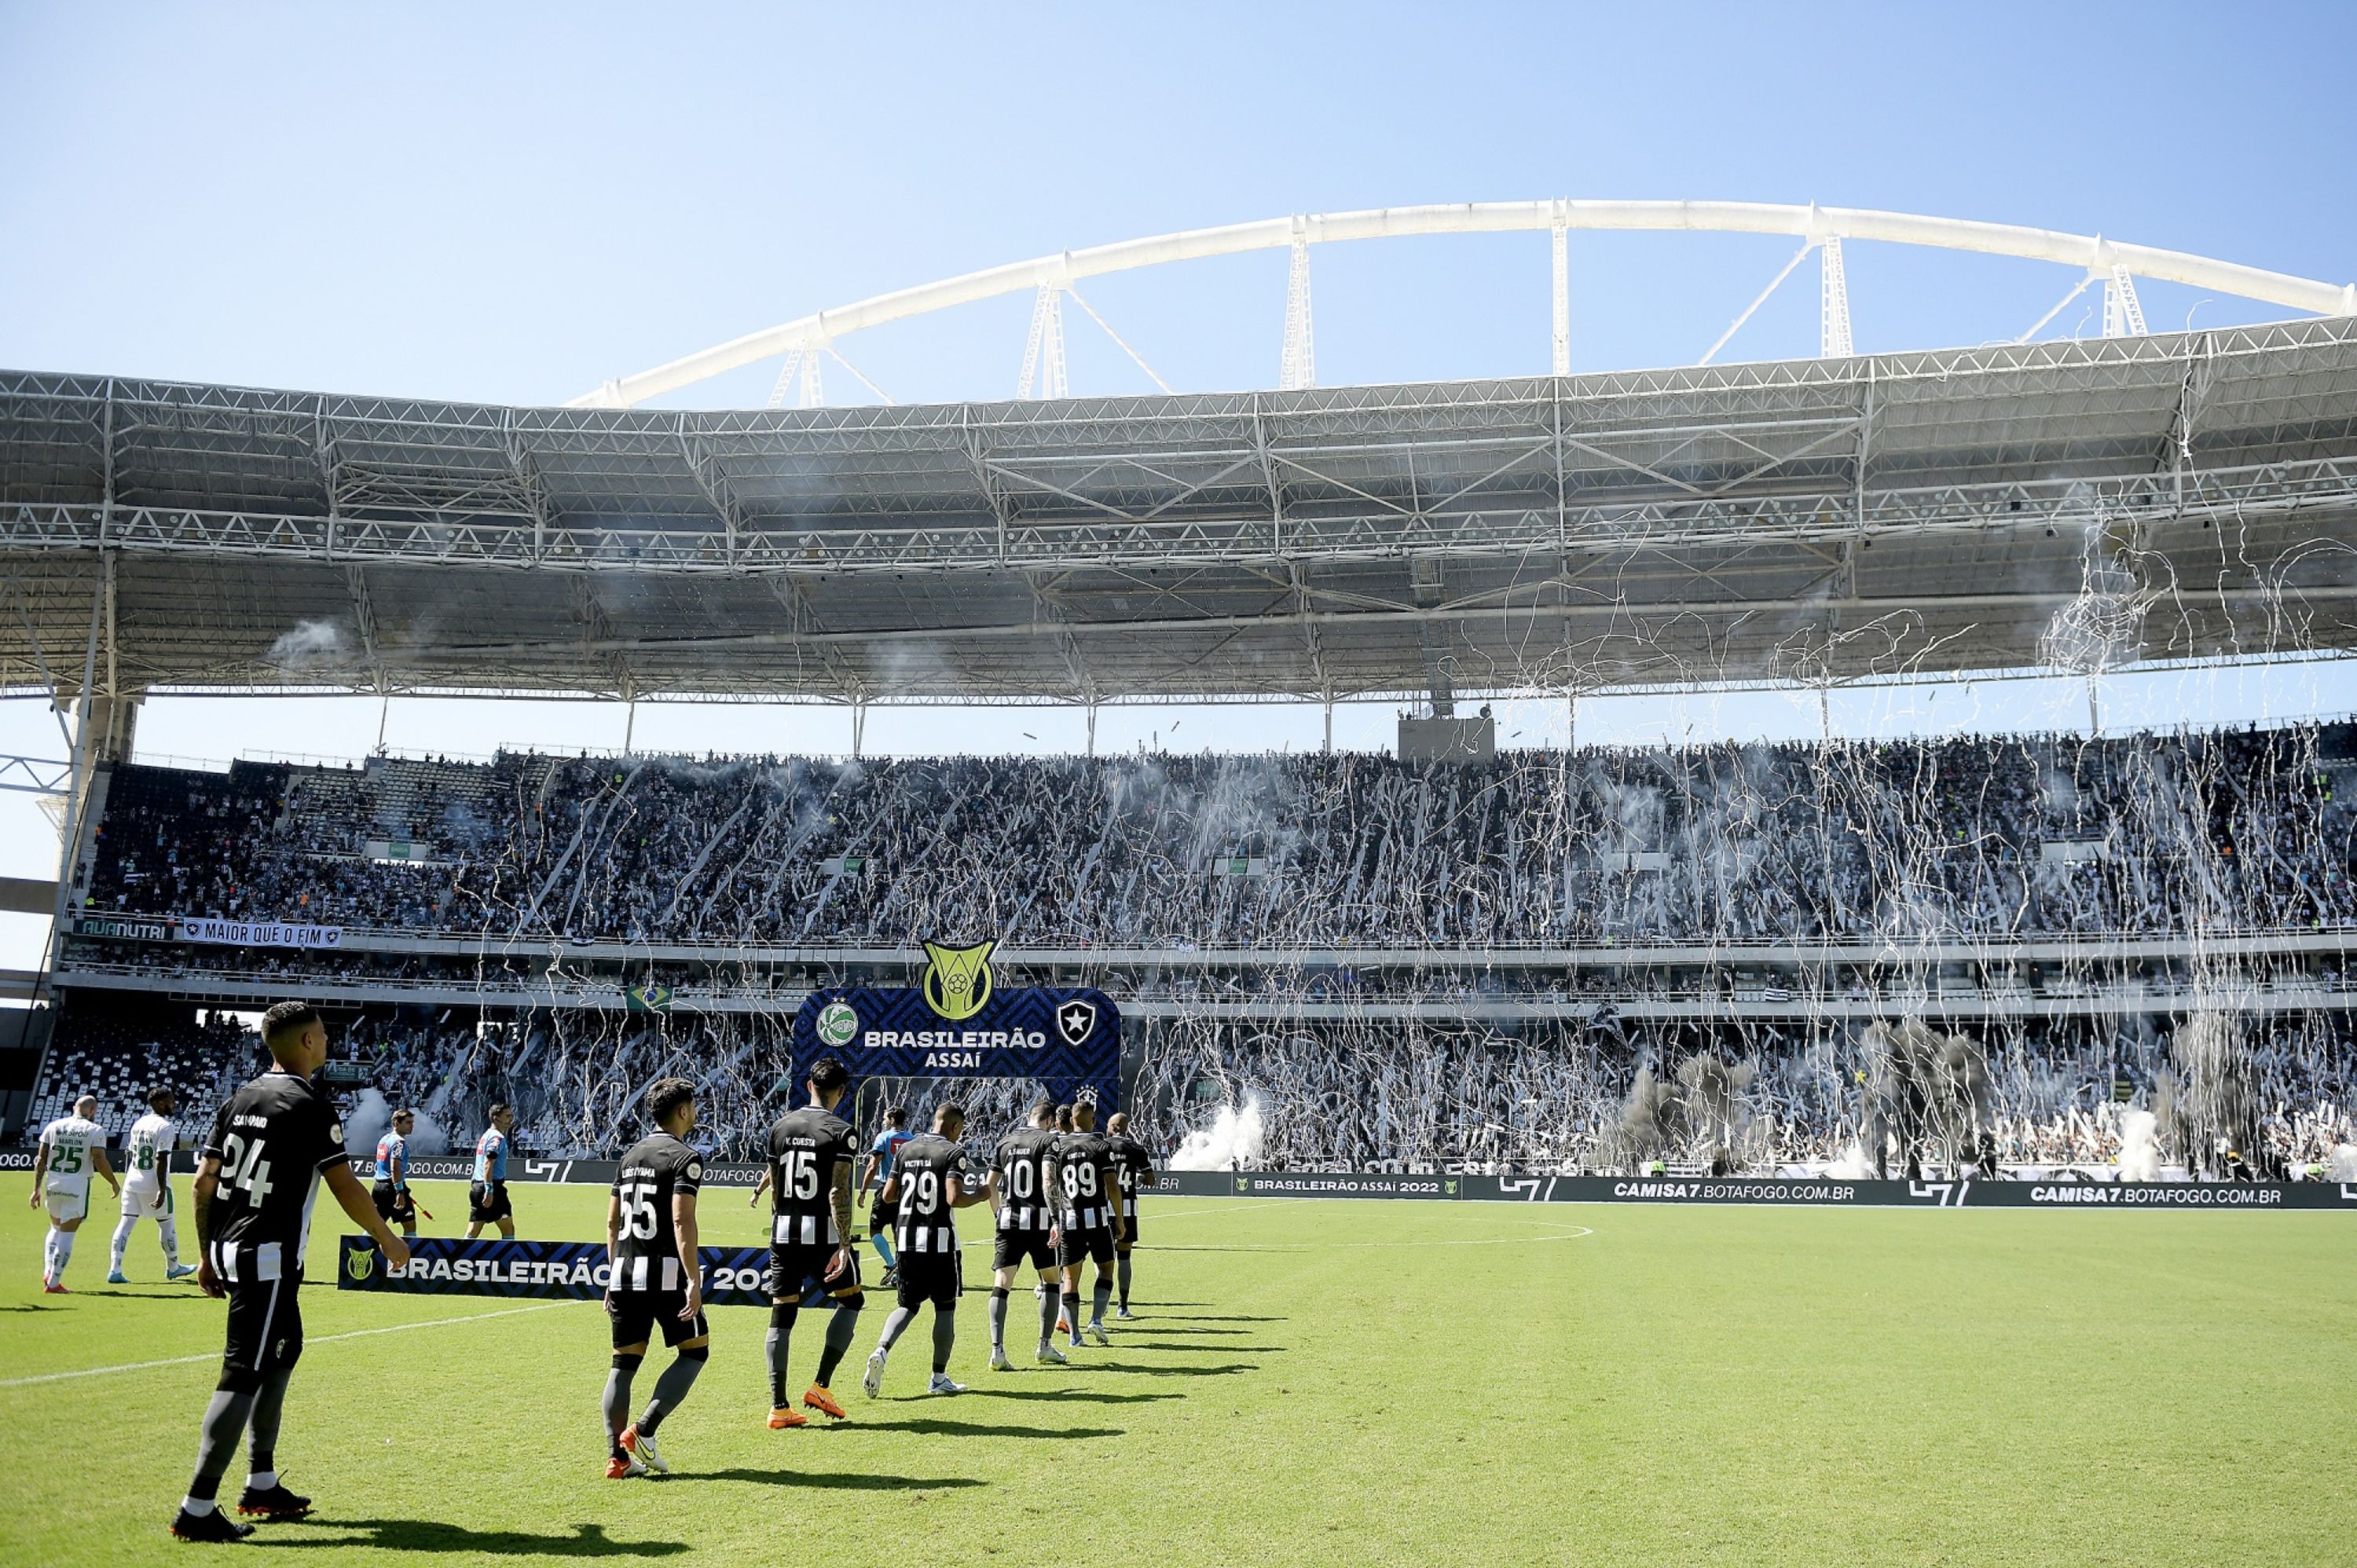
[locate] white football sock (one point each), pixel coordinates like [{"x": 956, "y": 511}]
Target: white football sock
[
  {"x": 65, "y": 1252},
  {"x": 196, "y": 1508},
  {"x": 168, "y": 1231},
  {"x": 261, "y": 1481},
  {"x": 114, "y": 1252}
]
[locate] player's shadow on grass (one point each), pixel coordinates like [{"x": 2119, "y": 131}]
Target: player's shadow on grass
[
  {"x": 942, "y": 1427},
  {"x": 1154, "y": 1325},
  {"x": 424, "y": 1535},
  {"x": 1224, "y": 1369},
  {"x": 1128, "y": 1344},
  {"x": 1214, "y": 1317},
  {"x": 1066, "y": 1395},
  {"x": 834, "y": 1482}
]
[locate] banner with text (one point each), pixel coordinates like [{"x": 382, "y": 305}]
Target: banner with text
[
  {"x": 1969, "y": 1193},
  {"x": 552, "y": 1270}
]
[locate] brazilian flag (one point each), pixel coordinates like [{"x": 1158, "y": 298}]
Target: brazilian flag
[{"x": 647, "y": 999}]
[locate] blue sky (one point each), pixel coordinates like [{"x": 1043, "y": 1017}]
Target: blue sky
[{"x": 514, "y": 202}]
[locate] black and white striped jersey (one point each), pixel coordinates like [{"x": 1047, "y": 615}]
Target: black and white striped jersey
[
  {"x": 1085, "y": 1163},
  {"x": 1136, "y": 1167},
  {"x": 921, "y": 1179},
  {"x": 1026, "y": 1166},
  {"x": 807, "y": 1147},
  {"x": 273, "y": 1138},
  {"x": 646, "y": 1244}
]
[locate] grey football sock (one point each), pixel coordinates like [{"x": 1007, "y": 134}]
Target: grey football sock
[
  {"x": 775, "y": 1347},
  {"x": 671, "y": 1388},
  {"x": 1121, "y": 1267},
  {"x": 839, "y": 1330},
  {"x": 262, "y": 1426},
  {"x": 1103, "y": 1299},
  {"x": 998, "y": 1321},
  {"x": 1070, "y": 1301},
  {"x": 944, "y": 1336},
  {"x": 616, "y": 1402},
  {"x": 1048, "y": 1303},
  {"x": 893, "y": 1326},
  {"x": 225, "y": 1421}
]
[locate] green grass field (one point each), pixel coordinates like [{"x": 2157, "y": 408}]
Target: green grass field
[{"x": 1308, "y": 1382}]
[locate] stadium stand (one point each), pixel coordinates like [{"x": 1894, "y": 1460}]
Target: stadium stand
[
  {"x": 1728, "y": 844},
  {"x": 1297, "y": 883}
]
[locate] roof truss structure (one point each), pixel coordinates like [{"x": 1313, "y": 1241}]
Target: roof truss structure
[{"x": 1815, "y": 520}]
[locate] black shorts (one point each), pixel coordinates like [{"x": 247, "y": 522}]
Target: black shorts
[
  {"x": 1016, "y": 1247},
  {"x": 636, "y": 1314},
  {"x": 930, "y": 1277},
  {"x": 1085, "y": 1244},
  {"x": 1128, "y": 1232},
  {"x": 395, "y": 1205},
  {"x": 265, "y": 1329},
  {"x": 488, "y": 1206},
  {"x": 882, "y": 1215},
  {"x": 799, "y": 1268}
]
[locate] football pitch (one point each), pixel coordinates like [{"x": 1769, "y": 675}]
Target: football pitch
[{"x": 1327, "y": 1382}]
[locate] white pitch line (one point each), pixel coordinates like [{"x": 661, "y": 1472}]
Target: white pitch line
[{"x": 322, "y": 1339}]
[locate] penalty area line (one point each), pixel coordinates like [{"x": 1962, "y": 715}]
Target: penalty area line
[{"x": 322, "y": 1339}]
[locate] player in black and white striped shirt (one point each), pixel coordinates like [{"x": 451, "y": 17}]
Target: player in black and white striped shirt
[
  {"x": 811, "y": 1240},
  {"x": 273, "y": 1142},
  {"x": 931, "y": 1177},
  {"x": 656, "y": 1279},
  {"x": 1022, "y": 1188},
  {"x": 1091, "y": 1220}
]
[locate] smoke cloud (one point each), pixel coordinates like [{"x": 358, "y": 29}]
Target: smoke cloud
[
  {"x": 2139, "y": 1147},
  {"x": 1232, "y": 1141}
]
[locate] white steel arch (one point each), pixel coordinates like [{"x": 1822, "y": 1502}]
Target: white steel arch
[{"x": 2105, "y": 259}]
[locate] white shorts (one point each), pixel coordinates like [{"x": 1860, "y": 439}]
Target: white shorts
[
  {"x": 136, "y": 1207},
  {"x": 65, "y": 1204}
]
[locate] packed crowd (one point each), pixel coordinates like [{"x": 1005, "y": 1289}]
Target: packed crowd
[
  {"x": 1328, "y": 1095},
  {"x": 1735, "y": 843}
]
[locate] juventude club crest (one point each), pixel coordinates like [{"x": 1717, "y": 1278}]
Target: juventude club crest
[
  {"x": 837, "y": 1024},
  {"x": 957, "y": 980}
]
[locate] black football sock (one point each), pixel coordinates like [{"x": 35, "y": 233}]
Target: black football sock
[
  {"x": 944, "y": 1336},
  {"x": 893, "y": 1325},
  {"x": 262, "y": 1426},
  {"x": 1070, "y": 1302},
  {"x": 839, "y": 1330},
  {"x": 998, "y": 1319},
  {"x": 782, "y": 1333},
  {"x": 1121, "y": 1267},
  {"x": 616, "y": 1402},
  {"x": 225, "y": 1421},
  {"x": 671, "y": 1387},
  {"x": 1050, "y": 1302},
  {"x": 1101, "y": 1300}
]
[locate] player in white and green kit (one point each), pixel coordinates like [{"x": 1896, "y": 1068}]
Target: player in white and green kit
[
  {"x": 72, "y": 1147},
  {"x": 147, "y": 1188}
]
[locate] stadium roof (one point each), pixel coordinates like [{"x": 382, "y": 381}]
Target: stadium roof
[{"x": 1816, "y": 518}]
